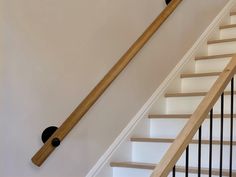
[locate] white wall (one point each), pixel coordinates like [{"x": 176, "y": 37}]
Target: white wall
[{"x": 56, "y": 51}]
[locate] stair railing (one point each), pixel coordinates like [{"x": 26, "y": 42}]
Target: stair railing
[
  {"x": 167, "y": 165},
  {"x": 94, "y": 95}
]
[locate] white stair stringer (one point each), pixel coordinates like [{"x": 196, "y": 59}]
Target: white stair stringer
[{"x": 126, "y": 158}]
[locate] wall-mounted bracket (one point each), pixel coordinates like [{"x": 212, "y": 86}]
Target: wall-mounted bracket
[
  {"x": 47, "y": 133},
  {"x": 168, "y": 1}
]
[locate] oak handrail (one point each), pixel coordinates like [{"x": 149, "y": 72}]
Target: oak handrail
[
  {"x": 186, "y": 135},
  {"x": 87, "y": 103}
]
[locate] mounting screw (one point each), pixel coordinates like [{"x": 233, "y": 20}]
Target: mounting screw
[{"x": 55, "y": 142}]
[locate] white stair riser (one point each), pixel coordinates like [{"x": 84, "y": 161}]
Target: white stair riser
[
  {"x": 131, "y": 172},
  {"x": 222, "y": 48},
  {"x": 152, "y": 153},
  {"x": 193, "y": 156},
  {"x": 228, "y": 33},
  {"x": 181, "y": 105},
  {"x": 216, "y": 129},
  {"x": 216, "y": 65},
  {"x": 149, "y": 152},
  {"x": 164, "y": 128},
  {"x": 200, "y": 84},
  {"x": 233, "y": 19}
]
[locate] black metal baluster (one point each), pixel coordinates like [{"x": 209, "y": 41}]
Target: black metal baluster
[
  {"x": 210, "y": 144},
  {"x": 231, "y": 127},
  {"x": 221, "y": 133},
  {"x": 187, "y": 162},
  {"x": 199, "y": 150},
  {"x": 173, "y": 173}
]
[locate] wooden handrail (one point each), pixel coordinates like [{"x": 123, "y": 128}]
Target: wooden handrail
[
  {"x": 87, "y": 103},
  {"x": 186, "y": 135}
]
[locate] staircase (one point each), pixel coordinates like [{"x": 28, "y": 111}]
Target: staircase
[{"x": 170, "y": 113}]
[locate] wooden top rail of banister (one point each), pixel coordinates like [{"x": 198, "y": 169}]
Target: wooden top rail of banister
[
  {"x": 87, "y": 103},
  {"x": 186, "y": 135}
]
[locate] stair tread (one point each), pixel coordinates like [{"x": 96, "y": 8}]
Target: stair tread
[
  {"x": 232, "y": 13},
  {"x": 221, "y": 41},
  {"x": 228, "y": 26},
  {"x": 215, "y": 56},
  {"x": 183, "y": 116},
  {"x": 152, "y": 166},
  {"x": 148, "y": 166},
  {"x": 207, "y": 74},
  {"x": 190, "y": 94},
  {"x": 170, "y": 140}
]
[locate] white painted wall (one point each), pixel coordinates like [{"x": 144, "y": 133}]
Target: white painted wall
[{"x": 56, "y": 51}]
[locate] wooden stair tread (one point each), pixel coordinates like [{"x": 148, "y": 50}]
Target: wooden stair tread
[
  {"x": 221, "y": 41},
  {"x": 147, "y": 166},
  {"x": 169, "y": 140},
  {"x": 214, "y": 56},
  {"x": 183, "y": 116},
  {"x": 232, "y": 13},
  {"x": 191, "y": 94},
  {"x": 228, "y": 26},
  {"x": 181, "y": 169},
  {"x": 190, "y": 75}
]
